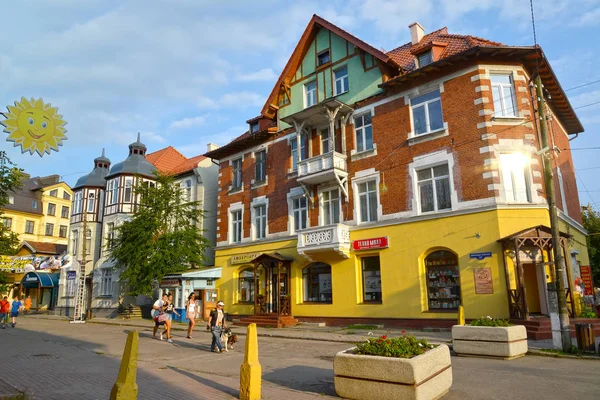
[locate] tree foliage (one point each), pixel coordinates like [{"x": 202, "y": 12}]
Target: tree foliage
[
  {"x": 10, "y": 181},
  {"x": 591, "y": 222},
  {"x": 161, "y": 238}
]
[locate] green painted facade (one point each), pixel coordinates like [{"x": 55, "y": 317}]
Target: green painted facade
[{"x": 363, "y": 81}]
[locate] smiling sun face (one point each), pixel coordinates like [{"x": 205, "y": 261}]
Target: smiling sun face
[{"x": 35, "y": 126}]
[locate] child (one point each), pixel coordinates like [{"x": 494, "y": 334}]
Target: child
[
  {"x": 27, "y": 304},
  {"x": 4, "y": 307},
  {"x": 14, "y": 312}
]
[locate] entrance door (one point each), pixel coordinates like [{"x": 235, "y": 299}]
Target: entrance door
[
  {"x": 210, "y": 298},
  {"x": 530, "y": 276}
]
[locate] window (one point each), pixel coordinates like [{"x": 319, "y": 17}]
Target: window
[
  {"x": 62, "y": 231},
  {"x": 111, "y": 194},
  {"x": 236, "y": 224},
  {"x": 29, "y": 227},
  {"x": 325, "y": 141},
  {"x": 64, "y": 212},
  {"x": 260, "y": 221},
  {"x": 51, "y": 209},
  {"x": 105, "y": 282},
  {"x": 424, "y": 59},
  {"x": 434, "y": 188},
  {"x": 246, "y": 286},
  {"x": 310, "y": 94},
  {"x": 254, "y": 127},
  {"x": 503, "y": 92},
  {"x": 323, "y": 57},
  {"x": 91, "y": 202},
  {"x": 300, "y": 213},
  {"x": 317, "y": 283},
  {"x": 34, "y": 204},
  {"x": 88, "y": 241},
  {"x": 341, "y": 80},
  {"x": 303, "y": 150},
  {"x": 110, "y": 237},
  {"x": 74, "y": 242},
  {"x": 371, "y": 278},
  {"x": 260, "y": 167},
  {"x": 443, "y": 280},
  {"x": 11, "y": 199},
  {"x": 427, "y": 113},
  {"x": 7, "y": 222},
  {"x": 236, "y": 166},
  {"x": 330, "y": 201},
  {"x": 66, "y": 196},
  {"x": 54, "y": 193},
  {"x": 186, "y": 187},
  {"x": 78, "y": 203},
  {"x": 515, "y": 178},
  {"x": 364, "y": 132},
  {"x": 128, "y": 190},
  {"x": 71, "y": 284},
  {"x": 49, "y": 229},
  {"x": 367, "y": 195}
]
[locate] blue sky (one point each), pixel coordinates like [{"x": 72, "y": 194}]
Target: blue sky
[{"x": 189, "y": 72}]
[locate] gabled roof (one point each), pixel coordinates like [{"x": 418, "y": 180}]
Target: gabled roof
[
  {"x": 299, "y": 52},
  {"x": 172, "y": 162},
  {"x": 44, "y": 248}
]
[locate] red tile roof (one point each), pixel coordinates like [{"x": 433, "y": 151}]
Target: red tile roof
[
  {"x": 187, "y": 165},
  {"x": 172, "y": 162},
  {"x": 45, "y": 248}
]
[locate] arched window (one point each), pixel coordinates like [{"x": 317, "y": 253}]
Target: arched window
[
  {"x": 317, "y": 283},
  {"x": 246, "y": 286},
  {"x": 443, "y": 280}
]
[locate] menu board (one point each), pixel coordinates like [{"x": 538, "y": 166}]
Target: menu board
[
  {"x": 483, "y": 281},
  {"x": 586, "y": 276}
]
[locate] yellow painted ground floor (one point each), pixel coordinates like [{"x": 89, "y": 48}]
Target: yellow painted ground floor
[{"x": 428, "y": 268}]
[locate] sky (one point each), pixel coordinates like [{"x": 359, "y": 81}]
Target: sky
[{"x": 189, "y": 72}]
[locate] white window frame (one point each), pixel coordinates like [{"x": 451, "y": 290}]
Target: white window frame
[
  {"x": 257, "y": 202},
  {"x": 361, "y": 131},
  {"x": 78, "y": 203},
  {"x": 433, "y": 181},
  {"x": 345, "y": 82},
  {"x": 186, "y": 187},
  {"x": 364, "y": 177},
  {"x": 234, "y": 208},
  {"x": 128, "y": 190},
  {"x": 425, "y": 104},
  {"x": 312, "y": 94},
  {"x": 27, "y": 222},
  {"x": 112, "y": 193},
  {"x": 528, "y": 184},
  {"x": 75, "y": 241},
  {"x": 432, "y": 160},
  {"x": 296, "y": 194},
  {"x": 260, "y": 165},
  {"x": 91, "y": 202},
  {"x": 110, "y": 235},
  {"x": 234, "y": 181},
  {"x": 88, "y": 241},
  {"x": 294, "y": 151},
  {"x": 325, "y": 138},
  {"x": 322, "y": 205},
  {"x": 66, "y": 231},
  {"x": 106, "y": 282},
  {"x": 11, "y": 199},
  {"x": 503, "y": 113},
  {"x": 7, "y": 222}
]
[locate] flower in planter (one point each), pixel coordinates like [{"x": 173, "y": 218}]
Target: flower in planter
[{"x": 401, "y": 347}]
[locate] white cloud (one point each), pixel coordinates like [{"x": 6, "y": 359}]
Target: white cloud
[
  {"x": 243, "y": 99},
  {"x": 589, "y": 18},
  {"x": 186, "y": 123},
  {"x": 265, "y": 74}
]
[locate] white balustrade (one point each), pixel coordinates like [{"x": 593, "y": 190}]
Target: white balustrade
[
  {"x": 324, "y": 238},
  {"x": 324, "y": 162}
]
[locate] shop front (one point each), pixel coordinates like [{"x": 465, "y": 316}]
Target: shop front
[{"x": 42, "y": 287}]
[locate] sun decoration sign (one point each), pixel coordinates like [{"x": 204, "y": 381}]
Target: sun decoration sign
[{"x": 35, "y": 126}]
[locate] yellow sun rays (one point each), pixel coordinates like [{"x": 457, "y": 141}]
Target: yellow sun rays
[{"x": 34, "y": 126}]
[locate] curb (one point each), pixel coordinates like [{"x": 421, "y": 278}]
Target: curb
[{"x": 540, "y": 353}]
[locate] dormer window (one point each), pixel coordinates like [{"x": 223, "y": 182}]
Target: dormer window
[
  {"x": 323, "y": 58},
  {"x": 254, "y": 127},
  {"x": 425, "y": 59}
]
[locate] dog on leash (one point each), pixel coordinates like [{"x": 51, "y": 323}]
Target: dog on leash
[{"x": 228, "y": 338}]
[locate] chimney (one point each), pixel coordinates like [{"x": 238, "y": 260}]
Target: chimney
[
  {"x": 211, "y": 147},
  {"x": 416, "y": 32}
]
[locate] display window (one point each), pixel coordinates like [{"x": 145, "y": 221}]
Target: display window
[{"x": 443, "y": 281}]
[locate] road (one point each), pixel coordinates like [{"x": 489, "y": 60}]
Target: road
[{"x": 51, "y": 359}]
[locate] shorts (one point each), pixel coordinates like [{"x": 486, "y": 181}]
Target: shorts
[
  {"x": 170, "y": 316},
  {"x": 14, "y": 314}
]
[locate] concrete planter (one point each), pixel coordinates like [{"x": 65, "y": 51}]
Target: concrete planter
[
  {"x": 503, "y": 342},
  {"x": 425, "y": 377}
]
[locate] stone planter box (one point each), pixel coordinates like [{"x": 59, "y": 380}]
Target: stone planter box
[
  {"x": 424, "y": 377},
  {"x": 503, "y": 342}
]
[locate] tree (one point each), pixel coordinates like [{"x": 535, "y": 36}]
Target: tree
[
  {"x": 161, "y": 238},
  {"x": 591, "y": 222},
  {"x": 10, "y": 181}
]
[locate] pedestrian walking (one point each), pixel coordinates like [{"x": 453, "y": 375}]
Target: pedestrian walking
[
  {"x": 216, "y": 323},
  {"x": 190, "y": 313},
  {"x": 158, "y": 315},
  {"x": 17, "y": 306},
  {"x": 27, "y": 304},
  {"x": 4, "y": 307},
  {"x": 170, "y": 310}
]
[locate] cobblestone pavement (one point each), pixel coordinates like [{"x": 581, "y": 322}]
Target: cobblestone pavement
[{"x": 51, "y": 359}]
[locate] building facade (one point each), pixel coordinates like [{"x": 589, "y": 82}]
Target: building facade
[{"x": 397, "y": 186}]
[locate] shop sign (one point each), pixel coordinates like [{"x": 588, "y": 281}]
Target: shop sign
[
  {"x": 586, "y": 276},
  {"x": 244, "y": 258},
  {"x": 31, "y": 278},
  {"x": 71, "y": 275},
  {"x": 483, "y": 281},
  {"x": 370, "y": 244},
  {"x": 169, "y": 283},
  {"x": 480, "y": 256}
]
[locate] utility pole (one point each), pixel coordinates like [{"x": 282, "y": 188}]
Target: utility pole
[{"x": 559, "y": 261}]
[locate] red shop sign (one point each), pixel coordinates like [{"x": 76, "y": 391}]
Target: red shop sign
[
  {"x": 586, "y": 276},
  {"x": 369, "y": 244}
]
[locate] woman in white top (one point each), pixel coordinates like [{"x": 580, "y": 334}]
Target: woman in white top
[{"x": 190, "y": 313}]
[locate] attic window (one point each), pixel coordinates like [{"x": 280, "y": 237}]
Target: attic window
[
  {"x": 323, "y": 58},
  {"x": 254, "y": 127},
  {"x": 425, "y": 59}
]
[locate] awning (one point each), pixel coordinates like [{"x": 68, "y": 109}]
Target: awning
[
  {"x": 40, "y": 279},
  {"x": 317, "y": 115}
]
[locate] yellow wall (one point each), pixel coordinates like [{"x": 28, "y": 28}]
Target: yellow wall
[{"x": 403, "y": 278}]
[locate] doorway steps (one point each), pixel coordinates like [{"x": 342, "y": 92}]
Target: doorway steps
[
  {"x": 130, "y": 312},
  {"x": 268, "y": 321},
  {"x": 541, "y": 328}
]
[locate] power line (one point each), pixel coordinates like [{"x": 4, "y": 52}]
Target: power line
[
  {"x": 587, "y": 105},
  {"x": 586, "y": 190},
  {"x": 533, "y": 23},
  {"x": 583, "y": 85}
]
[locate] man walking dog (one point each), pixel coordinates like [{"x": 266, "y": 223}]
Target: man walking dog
[{"x": 216, "y": 323}]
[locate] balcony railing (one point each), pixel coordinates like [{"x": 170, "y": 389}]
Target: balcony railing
[
  {"x": 321, "y": 168},
  {"x": 335, "y": 238}
]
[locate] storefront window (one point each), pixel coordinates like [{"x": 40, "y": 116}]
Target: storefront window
[
  {"x": 317, "y": 283},
  {"x": 443, "y": 280},
  {"x": 371, "y": 279},
  {"x": 246, "y": 286}
]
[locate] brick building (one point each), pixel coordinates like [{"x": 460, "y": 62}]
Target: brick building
[{"x": 396, "y": 186}]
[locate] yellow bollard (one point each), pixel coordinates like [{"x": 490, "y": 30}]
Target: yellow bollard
[
  {"x": 251, "y": 371},
  {"x": 461, "y": 315},
  {"x": 125, "y": 387}
]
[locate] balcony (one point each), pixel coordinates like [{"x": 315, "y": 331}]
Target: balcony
[
  {"x": 321, "y": 239},
  {"x": 323, "y": 168}
]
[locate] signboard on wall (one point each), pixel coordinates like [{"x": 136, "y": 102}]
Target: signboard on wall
[
  {"x": 71, "y": 275},
  {"x": 243, "y": 258},
  {"x": 483, "y": 281},
  {"x": 586, "y": 276},
  {"x": 370, "y": 244},
  {"x": 169, "y": 283}
]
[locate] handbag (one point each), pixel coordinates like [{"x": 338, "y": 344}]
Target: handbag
[{"x": 162, "y": 318}]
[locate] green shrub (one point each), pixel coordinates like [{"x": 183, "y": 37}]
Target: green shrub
[
  {"x": 489, "y": 321},
  {"x": 401, "y": 347},
  {"x": 363, "y": 326}
]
